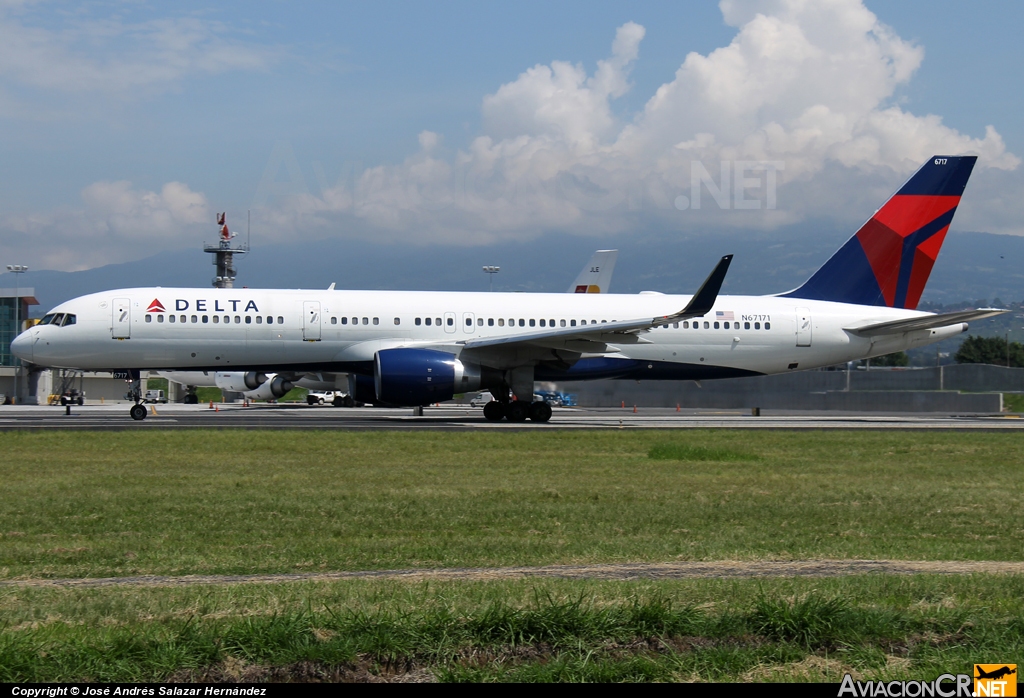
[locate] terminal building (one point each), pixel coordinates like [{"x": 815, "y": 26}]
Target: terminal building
[{"x": 14, "y": 310}]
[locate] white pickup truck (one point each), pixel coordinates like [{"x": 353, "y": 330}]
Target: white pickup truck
[{"x": 329, "y": 397}]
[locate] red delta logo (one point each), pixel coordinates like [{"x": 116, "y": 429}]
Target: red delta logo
[{"x": 155, "y": 307}]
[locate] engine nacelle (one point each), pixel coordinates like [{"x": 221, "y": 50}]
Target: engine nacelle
[
  {"x": 239, "y": 381},
  {"x": 414, "y": 377},
  {"x": 275, "y": 387},
  {"x": 361, "y": 389}
]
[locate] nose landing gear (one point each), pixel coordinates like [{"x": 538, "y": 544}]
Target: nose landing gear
[{"x": 138, "y": 411}]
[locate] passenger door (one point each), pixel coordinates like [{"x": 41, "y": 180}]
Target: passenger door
[
  {"x": 121, "y": 328},
  {"x": 311, "y": 321}
]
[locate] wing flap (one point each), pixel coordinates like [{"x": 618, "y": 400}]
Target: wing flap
[{"x": 923, "y": 322}]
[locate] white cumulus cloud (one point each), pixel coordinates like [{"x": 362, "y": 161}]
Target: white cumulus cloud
[
  {"x": 117, "y": 223},
  {"x": 804, "y": 95}
]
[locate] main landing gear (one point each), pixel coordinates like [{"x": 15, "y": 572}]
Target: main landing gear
[
  {"x": 138, "y": 412},
  {"x": 517, "y": 411}
]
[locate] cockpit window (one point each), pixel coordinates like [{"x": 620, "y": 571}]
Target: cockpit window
[{"x": 58, "y": 319}]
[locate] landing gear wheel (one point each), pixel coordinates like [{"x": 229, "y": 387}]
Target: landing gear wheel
[
  {"x": 494, "y": 411},
  {"x": 138, "y": 412},
  {"x": 540, "y": 411},
  {"x": 518, "y": 411}
]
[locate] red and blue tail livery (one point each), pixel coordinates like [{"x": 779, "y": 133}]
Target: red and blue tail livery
[{"x": 888, "y": 261}]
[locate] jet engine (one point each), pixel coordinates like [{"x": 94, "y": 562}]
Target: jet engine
[
  {"x": 239, "y": 381},
  {"x": 414, "y": 377},
  {"x": 275, "y": 387},
  {"x": 361, "y": 389}
]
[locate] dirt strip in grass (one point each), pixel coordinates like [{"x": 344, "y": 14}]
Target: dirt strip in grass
[{"x": 667, "y": 570}]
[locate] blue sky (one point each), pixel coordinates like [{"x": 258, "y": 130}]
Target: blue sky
[{"x": 127, "y": 125}]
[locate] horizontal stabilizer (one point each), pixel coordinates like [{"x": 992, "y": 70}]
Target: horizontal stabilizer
[{"x": 923, "y": 322}]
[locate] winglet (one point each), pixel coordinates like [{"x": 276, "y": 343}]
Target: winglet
[
  {"x": 331, "y": 287},
  {"x": 704, "y": 299}
]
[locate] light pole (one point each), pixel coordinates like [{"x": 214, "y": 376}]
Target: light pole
[
  {"x": 491, "y": 271},
  {"x": 17, "y": 269}
]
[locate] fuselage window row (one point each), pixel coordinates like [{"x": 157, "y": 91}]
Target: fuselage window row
[
  {"x": 183, "y": 319},
  {"x": 64, "y": 319},
  {"x": 723, "y": 325},
  {"x": 491, "y": 322}
]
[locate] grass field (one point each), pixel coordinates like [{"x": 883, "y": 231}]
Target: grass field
[
  {"x": 876, "y": 627},
  {"x": 79, "y": 504}
]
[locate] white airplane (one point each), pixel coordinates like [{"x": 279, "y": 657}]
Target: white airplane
[
  {"x": 416, "y": 348},
  {"x": 595, "y": 277}
]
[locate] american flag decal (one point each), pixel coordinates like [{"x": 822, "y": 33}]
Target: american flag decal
[{"x": 724, "y": 315}]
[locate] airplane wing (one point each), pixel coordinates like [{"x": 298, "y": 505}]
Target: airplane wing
[
  {"x": 596, "y": 276},
  {"x": 924, "y": 322},
  {"x": 593, "y": 338}
]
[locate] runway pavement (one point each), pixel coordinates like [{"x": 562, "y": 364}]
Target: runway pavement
[{"x": 236, "y": 416}]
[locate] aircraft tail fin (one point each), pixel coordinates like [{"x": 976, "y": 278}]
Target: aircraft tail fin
[
  {"x": 888, "y": 261},
  {"x": 596, "y": 276}
]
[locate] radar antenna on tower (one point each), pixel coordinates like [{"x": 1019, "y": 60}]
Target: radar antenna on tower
[{"x": 224, "y": 254}]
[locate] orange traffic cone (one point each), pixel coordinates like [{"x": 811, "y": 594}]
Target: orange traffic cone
[
  {"x": 211, "y": 404},
  {"x": 216, "y": 409},
  {"x": 634, "y": 409},
  {"x": 677, "y": 407},
  {"x": 623, "y": 404}
]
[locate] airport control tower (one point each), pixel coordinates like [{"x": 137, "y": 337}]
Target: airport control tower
[{"x": 225, "y": 253}]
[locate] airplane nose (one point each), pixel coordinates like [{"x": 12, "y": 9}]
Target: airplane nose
[{"x": 22, "y": 346}]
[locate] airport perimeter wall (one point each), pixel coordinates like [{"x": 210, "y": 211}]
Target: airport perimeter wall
[{"x": 964, "y": 388}]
